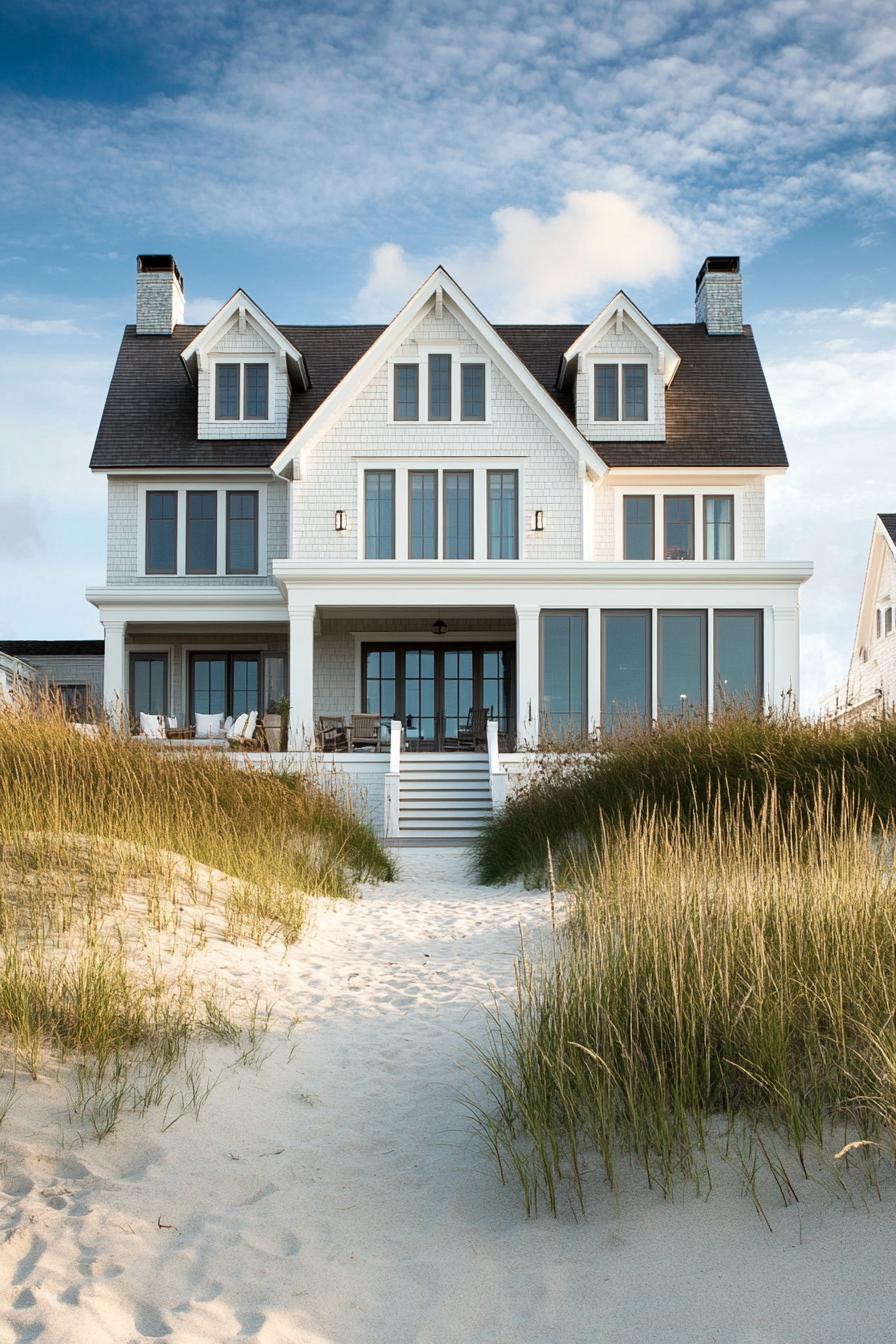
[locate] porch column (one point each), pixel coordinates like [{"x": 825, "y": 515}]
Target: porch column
[
  {"x": 115, "y": 689},
  {"x": 784, "y": 656},
  {"x": 301, "y": 676},
  {"x": 527, "y": 677},
  {"x": 593, "y": 666}
]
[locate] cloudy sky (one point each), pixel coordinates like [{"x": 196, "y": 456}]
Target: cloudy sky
[{"x": 324, "y": 157}]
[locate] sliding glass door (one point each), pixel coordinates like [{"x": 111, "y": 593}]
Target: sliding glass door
[
  {"x": 681, "y": 664},
  {"x": 738, "y": 660}
]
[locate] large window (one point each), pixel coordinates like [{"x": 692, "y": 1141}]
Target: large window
[
  {"x": 681, "y": 664},
  {"x": 161, "y": 532},
  {"x": 626, "y": 658},
  {"x": 738, "y": 660},
  {"x": 423, "y": 512},
  {"x": 637, "y": 527},
  {"x": 227, "y": 391},
  {"x": 457, "y": 487},
  {"x": 379, "y": 515},
  {"x": 242, "y": 531},
  {"x": 718, "y": 527},
  {"x": 440, "y": 387},
  {"x": 563, "y": 673},
  {"x": 202, "y": 531},
  {"x": 406, "y": 392},
  {"x": 678, "y": 531},
  {"x": 256, "y": 400},
  {"x": 620, "y": 392},
  {"x": 225, "y": 683},
  {"x": 472, "y": 405},
  {"x": 502, "y": 515},
  {"x": 149, "y": 684}
]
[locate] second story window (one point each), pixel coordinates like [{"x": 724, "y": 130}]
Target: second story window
[
  {"x": 256, "y": 398},
  {"x": 242, "y": 531},
  {"x": 637, "y": 527},
  {"x": 242, "y": 391},
  {"x": 161, "y": 532},
  {"x": 620, "y": 392},
  {"x": 227, "y": 391},
  {"x": 407, "y": 392},
  {"x": 678, "y": 542},
  {"x": 472, "y": 392},
  {"x": 440, "y": 387},
  {"x": 457, "y": 508},
  {"x": 202, "y": 531},
  {"x": 423, "y": 512},
  {"x": 718, "y": 527},
  {"x": 379, "y": 514},
  {"x": 503, "y": 532}
]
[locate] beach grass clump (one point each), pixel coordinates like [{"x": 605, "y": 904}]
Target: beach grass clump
[
  {"x": 576, "y": 790},
  {"x": 723, "y": 978}
]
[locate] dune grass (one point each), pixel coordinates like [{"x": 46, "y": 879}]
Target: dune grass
[
  {"x": 573, "y": 795},
  {"x": 724, "y": 977},
  {"x": 103, "y": 843}
]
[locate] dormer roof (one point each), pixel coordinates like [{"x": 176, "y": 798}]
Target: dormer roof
[
  {"x": 619, "y": 310},
  {"x": 246, "y": 311}
]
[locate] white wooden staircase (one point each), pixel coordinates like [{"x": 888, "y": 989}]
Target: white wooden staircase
[{"x": 443, "y": 799}]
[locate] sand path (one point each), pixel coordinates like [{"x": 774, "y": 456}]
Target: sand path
[{"x": 335, "y": 1193}]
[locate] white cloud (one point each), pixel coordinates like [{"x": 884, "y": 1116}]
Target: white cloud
[
  {"x": 28, "y": 326},
  {"x": 201, "y": 309},
  {"x": 538, "y": 269}
]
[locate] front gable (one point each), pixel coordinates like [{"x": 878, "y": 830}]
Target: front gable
[{"x": 878, "y": 595}]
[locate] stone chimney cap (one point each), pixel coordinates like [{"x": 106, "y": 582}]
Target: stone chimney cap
[
  {"x": 157, "y": 262},
  {"x": 729, "y": 265}
]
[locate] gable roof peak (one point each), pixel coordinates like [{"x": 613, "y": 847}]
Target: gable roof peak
[
  {"x": 240, "y": 304},
  {"x": 619, "y": 308}
]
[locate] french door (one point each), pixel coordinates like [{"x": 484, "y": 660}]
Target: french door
[
  {"x": 431, "y": 689},
  {"x": 224, "y": 683}
]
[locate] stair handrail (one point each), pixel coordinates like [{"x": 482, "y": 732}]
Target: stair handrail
[
  {"x": 497, "y": 775},
  {"x": 393, "y": 781}
]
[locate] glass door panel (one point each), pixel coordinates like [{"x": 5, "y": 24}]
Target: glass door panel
[
  {"x": 209, "y": 685},
  {"x": 420, "y": 695},
  {"x": 682, "y": 664},
  {"x": 380, "y": 686},
  {"x": 244, "y": 685},
  {"x": 149, "y": 684},
  {"x": 457, "y": 689},
  {"x": 625, "y": 644},
  {"x": 497, "y": 686}
]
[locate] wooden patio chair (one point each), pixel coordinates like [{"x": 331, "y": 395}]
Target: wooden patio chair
[
  {"x": 332, "y": 734},
  {"x": 472, "y": 736},
  {"x": 365, "y": 731}
]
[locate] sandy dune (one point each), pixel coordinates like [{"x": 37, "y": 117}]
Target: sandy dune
[{"x": 334, "y": 1194}]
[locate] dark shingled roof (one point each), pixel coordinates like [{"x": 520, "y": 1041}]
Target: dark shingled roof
[
  {"x": 889, "y": 522},
  {"x": 51, "y": 648},
  {"x": 718, "y": 409}
]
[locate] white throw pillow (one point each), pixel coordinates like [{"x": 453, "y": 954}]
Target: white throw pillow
[
  {"x": 171, "y": 721},
  {"x": 152, "y": 725},
  {"x": 209, "y": 725},
  {"x": 237, "y": 727}
]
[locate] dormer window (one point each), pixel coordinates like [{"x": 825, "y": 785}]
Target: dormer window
[
  {"x": 241, "y": 391},
  {"x": 620, "y": 392}
]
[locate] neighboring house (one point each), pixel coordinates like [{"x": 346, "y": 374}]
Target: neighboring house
[
  {"x": 14, "y": 674},
  {"x": 870, "y": 687},
  {"x": 561, "y": 525},
  {"x": 73, "y": 667}
]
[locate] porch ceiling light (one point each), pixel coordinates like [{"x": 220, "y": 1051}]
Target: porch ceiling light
[
  {"x": 439, "y": 627},
  {"x": 538, "y": 525},
  {"x": 340, "y": 520}
]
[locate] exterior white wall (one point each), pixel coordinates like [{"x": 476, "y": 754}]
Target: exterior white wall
[
  {"x": 870, "y": 687},
  {"x": 513, "y": 431},
  {"x": 245, "y": 344},
  {"x": 125, "y": 526},
  {"x": 71, "y": 670}
]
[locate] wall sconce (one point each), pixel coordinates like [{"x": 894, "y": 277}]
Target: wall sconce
[
  {"x": 538, "y": 525},
  {"x": 341, "y": 523}
]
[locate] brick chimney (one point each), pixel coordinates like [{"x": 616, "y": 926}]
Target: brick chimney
[
  {"x": 160, "y": 296},
  {"x": 719, "y": 301}
]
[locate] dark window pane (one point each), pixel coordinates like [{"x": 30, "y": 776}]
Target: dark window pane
[
  {"x": 458, "y": 508},
  {"x": 243, "y": 684},
  {"x": 379, "y": 515},
  {"x": 472, "y": 392},
  {"x": 682, "y": 663},
  {"x": 679, "y": 527},
  {"x": 502, "y": 515},
  {"x": 738, "y": 658},
  {"x": 407, "y": 392},
  {"x": 563, "y": 645},
  {"x": 423, "y": 506},
  {"x": 227, "y": 391},
  {"x": 718, "y": 527},
  {"x": 888, "y": 621},
  {"x": 209, "y": 684},
  {"x": 161, "y": 532},
  {"x": 625, "y": 643},
  {"x": 420, "y": 695},
  {"x": 148, "y": 684},
  {"x": 256, "y": 407},
  {"x": 606, "y": 391},
  {"x": 242, "y": 532},
  {"x": 497, "y": 689},
  {"x": 638, "y": 527},
  {"x": 634, "y": 391},
  {"x": 457, "y": 692},
  {"x": 202, "y": 531},
  {"x": 440, "y": 387}
]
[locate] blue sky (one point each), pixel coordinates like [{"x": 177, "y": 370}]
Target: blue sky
[{"x": 324, "y": 157}]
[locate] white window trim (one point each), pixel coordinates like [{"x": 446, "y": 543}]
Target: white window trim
[
  {"x": 591, "y": 364},
  {"x": 421, "y": 359},
  {"x": 480, "y": 468},
  {"x": 242, "y": 360},
  {"x": 181, "y": 489},
  {"x": 698, "y": 493}
]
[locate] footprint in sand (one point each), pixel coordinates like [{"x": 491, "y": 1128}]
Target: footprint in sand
[
  {"x": 148, "y": 1320},
  {"x": 29, "y": 1260}
]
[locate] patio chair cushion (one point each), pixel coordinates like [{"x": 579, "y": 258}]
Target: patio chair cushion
[
  {"x": 209, "y": 725},
  {"x": 152, "y": 725},
  {"x": 238, "y": 727},
  {"x": 249, "y": 731}
]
